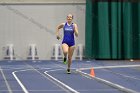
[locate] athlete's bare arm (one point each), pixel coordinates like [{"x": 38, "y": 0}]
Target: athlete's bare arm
[
  {"x": 76, "y": 30},
  {"x": 58, "y": 29}
]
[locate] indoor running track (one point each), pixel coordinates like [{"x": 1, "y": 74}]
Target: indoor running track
[{"x": 50, "y": 77}]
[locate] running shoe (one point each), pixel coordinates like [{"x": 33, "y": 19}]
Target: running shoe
[
  {"x": 68, "y": 71},
  {"x": 65, "y": 61}
]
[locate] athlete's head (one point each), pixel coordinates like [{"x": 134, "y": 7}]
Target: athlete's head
[{"x": 69, "y": 17}]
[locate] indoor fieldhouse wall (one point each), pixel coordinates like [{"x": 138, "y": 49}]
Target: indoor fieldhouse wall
[{"x": 24, "y": 24}]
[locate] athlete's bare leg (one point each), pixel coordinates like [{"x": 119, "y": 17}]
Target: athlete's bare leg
[
  {"x": 65, "y": 48},
  {"x": 70, "y": 54}
]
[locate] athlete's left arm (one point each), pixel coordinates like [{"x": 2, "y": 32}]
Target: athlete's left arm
[{"x": 76, "y": 30}]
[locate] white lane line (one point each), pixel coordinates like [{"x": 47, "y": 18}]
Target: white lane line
[
  {"x": 100, "y": 67},
  {"x": 6, "y": 82},
  {"x": 1, "y": 91},
  {"x": 49, "y": 78},
  {"x": 61, "y": 83},
  {"x": 121, "y": 66},
  {"x": 32, "y": 68},
  {"x": 54, "y": 70},
  {"x": 124, "y": 75},
  {"x": 18, "y": 80},
  {"x": 64, "y": 67},
  {"x": 119, "y": 87},
  {"x": 20, "y": 83}
]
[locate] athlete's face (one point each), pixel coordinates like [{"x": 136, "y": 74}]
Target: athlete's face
[{"x": 69, "y": 18}]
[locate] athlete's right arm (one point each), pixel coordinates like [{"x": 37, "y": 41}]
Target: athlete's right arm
[{"x": 57, "y": 30}]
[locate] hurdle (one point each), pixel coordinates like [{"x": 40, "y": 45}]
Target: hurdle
[
  {"x": 9, "y": 52},
  {"x": 79, "y": 52},
  {"x": 57, "y": 52},
  {"x": 32, "y": 52}
]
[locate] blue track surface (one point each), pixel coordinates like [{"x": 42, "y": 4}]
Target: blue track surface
[{"x": 32, "y": 77}]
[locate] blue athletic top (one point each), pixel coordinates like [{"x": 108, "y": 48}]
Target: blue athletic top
[{"x": 68, "y": 34}]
